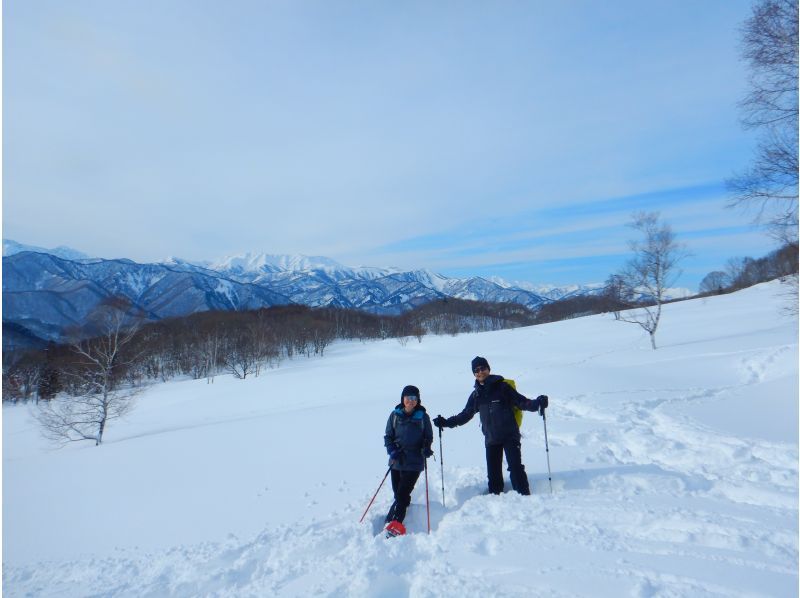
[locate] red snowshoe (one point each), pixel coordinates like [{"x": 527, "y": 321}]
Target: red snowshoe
[{"x": 395, "y": 528}]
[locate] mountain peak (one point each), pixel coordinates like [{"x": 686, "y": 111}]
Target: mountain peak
[
  {"x": 265, "y": 262},
  {"x": 11, "y": 247}
]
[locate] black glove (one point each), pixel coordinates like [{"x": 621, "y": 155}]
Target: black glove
[
  {"x": 440, "y": 422},
  {"x": 395, "y": 452},
  {"x": 543, "y": 403},
  {"x": 427, "y": 452}
]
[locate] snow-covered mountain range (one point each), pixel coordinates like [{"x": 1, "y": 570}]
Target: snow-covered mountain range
[{"x": 47, "y": 291}]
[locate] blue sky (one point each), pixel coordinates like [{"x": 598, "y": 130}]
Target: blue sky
[{"x": 510, "y": 139}]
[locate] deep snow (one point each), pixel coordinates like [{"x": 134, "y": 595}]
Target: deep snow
[{"x": 675, "y": 472}]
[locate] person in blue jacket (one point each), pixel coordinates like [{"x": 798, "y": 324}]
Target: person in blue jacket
[
  {"x": 494, "y": 401},
  {"x": 408, "y": 440}
]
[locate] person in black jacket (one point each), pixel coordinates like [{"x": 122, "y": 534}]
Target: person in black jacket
[
  {"x": 408, "y": 440},
  {"x": 493, "y": 399}
]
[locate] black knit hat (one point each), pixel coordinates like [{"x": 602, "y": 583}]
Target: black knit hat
[
  {"x": 480, "y": 361},
  {"x": 410, "y": 391}
]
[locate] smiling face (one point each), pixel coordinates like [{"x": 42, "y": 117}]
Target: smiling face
[
  {"x": 481, "y": 373},
  {"x": 409, "y": 402}
]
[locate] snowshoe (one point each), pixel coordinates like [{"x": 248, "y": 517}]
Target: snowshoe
[{"x": 395, "y": 528}]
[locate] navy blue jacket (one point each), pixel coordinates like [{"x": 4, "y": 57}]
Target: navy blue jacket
[
  {"x": 493, "y": 400},
  {"x": 410, "y": 433}
]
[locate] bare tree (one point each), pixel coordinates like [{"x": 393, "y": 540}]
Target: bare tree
[
  {"x": 651, "y": 271},
  {"x": 770, "y": 47},
  {"x": 210, "y": 351},
  {"x": 615, "y": 293},
  {"x": 715, "y": 282},
  {"x": 101, "y": 366},
  {"x": 20, "y": 378},
  {"x": 240, "y": 354}
]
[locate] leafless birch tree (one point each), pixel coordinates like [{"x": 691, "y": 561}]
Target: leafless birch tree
[
  {"x": 651, "y": 271},
  {"x": 103, "y": 397},
  {"x": 770, "y": 48}
]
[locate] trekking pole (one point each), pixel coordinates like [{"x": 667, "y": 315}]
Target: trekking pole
[
  {"x": 427, "y": 500},
  {"x": 546, "y": 448},
  {"x": 441, "y": 460},
  {"x": 376, "y": 494}
]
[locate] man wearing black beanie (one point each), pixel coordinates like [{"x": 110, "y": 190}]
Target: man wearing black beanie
[{"x": 494, "y": 400}]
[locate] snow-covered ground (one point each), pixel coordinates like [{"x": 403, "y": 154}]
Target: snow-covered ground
[{"x": 675, "y": 472}]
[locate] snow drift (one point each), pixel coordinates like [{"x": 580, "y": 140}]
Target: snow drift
[{"x": 675, "y": 472}]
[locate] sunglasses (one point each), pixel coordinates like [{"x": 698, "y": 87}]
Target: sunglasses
[
  {"x": 480, "y": 368},
  {"x": 411, "y": 398}
]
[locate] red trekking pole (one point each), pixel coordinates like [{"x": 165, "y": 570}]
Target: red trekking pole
[
  {"x": 376, "y": 494},
  {"x": 427, "y": 501}
]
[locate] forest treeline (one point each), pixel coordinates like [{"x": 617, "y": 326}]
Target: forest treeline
[
  {"x": 743, "y": 272},
  {"x": 243, "y": 343}
]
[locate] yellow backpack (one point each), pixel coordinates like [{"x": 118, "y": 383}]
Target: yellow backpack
[{"x": 517, "y": 410}]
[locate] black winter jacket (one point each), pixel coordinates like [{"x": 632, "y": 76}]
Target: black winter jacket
[
  {"x": 410, "y": 433},
  {"x": 493, "y": 400}
]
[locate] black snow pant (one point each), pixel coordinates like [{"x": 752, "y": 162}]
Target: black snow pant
[
  {"x": 402, "y": 484},
  {"x": 494, "y": 467}
]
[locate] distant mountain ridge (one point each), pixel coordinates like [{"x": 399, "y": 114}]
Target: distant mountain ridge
[
  {"x": 11, "y": 247},
  {"x": 47, "y": 292}
]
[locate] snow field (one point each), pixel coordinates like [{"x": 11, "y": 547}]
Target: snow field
[{"x": 675, "y": 473}]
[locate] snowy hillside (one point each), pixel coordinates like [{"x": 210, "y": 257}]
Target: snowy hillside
[{"x": 675, "y": 472}]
